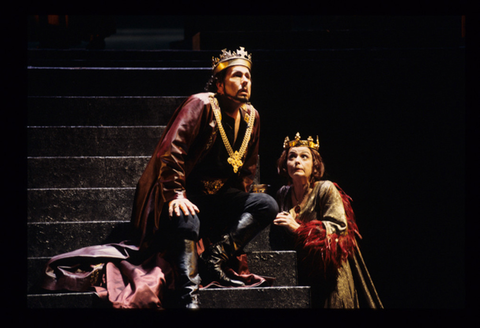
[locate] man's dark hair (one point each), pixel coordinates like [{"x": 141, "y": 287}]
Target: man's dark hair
[{"x": 211, "y": 85}]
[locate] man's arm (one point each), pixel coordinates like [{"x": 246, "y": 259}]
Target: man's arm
[{"x": 180, "y": 134}]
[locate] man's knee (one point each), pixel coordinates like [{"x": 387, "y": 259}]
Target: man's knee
[
  {"x": 187, "y": 226},
  {"x": 266, "y": 205}
]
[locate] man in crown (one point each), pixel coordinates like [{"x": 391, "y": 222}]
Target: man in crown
[{"x": 196, "y": 186}]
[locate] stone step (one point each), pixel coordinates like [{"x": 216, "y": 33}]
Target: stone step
[
  {"x": 169, "y": 81},
  {"x": 77, "y": 58},
  {"x": 289, "y": 297},
  {"x": 50, "y": 239},
  {"x": 62, "y": 205},
  {"x": 50, "y": 205},
  {"x": 101, "y": 110},
  {"x": 173, "y": 81},
  {"x": 85, "y": 171},
  {"x": 92, "y": 140},
  {"x": 84, "y": 300},
  {"x": 116, "y": 81},
  {"x": 118, "y": 58},
  {"x": 88, "y": 171},
  {"x": 280, "y": 265},
  {"x": 81, "y": 58},
  {"x": 259, "y": 242}
]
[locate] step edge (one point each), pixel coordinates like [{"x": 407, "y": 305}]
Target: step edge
[
  {"x": 81, "y": 188},
  {"x": 253, "y": 288},
  {"x": 49, "y": 257},
  {"x": 80, "y": 222},
  {"x": 70, "y": 293},
  {"x": 87, "y": 68},
  {"x": 66, "y": 293},
  {"x": 80, "y": 157},
  {"x": 95, "y": 126},
  {"x": 102, "y": 97}
]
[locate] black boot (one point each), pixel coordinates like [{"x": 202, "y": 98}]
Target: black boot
[
  {"x": 215, "y": 256},
  {"x": 188, "y": 280},
  {"x": 245, "y": 230}
]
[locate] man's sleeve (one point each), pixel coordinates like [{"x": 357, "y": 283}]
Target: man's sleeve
[{"x": 180, "y": 133}]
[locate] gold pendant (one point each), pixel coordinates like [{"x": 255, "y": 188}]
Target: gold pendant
[{"x": 235, "y": 161}]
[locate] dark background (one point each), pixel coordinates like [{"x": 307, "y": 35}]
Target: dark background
[
  {"x": 391, "y": 125},
  {"x": 386, "y": 96}
]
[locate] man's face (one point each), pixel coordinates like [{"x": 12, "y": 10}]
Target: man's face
[{"x": 237, "y": 83}]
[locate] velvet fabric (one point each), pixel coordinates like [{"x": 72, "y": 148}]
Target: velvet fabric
[
  {"x": 187, "y": 140},
  {"x": 124, "y": 278}
]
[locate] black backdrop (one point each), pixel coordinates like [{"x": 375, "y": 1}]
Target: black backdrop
[{"x": 392, "y": 134}]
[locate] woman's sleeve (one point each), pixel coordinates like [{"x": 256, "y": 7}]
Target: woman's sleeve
[
  {"x": 332, "y": 209},
  {"x": 326, "y": 238}
]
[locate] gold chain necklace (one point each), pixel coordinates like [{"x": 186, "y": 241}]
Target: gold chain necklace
[{"x": 235, "y": 158}]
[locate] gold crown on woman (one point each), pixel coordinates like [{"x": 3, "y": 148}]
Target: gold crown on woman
[
  {"x": 298, "y": 142},
  {"x": 229, "y": 58}
]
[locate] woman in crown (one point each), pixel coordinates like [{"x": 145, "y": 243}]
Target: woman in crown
[{"x": 317, "y": 221}]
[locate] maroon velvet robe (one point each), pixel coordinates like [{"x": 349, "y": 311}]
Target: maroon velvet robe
[{"x": 187, "y": 139}]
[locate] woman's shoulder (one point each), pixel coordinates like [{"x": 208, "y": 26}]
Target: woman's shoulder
[
  {"x": 325, "y": 187},
  {"x": 324, "y": 184}
]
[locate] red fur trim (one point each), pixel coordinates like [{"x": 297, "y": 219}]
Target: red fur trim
[
  {"x": 325, "y": 253},
  {"x": 317, "y": 249},
  {"x": 312, "y": 234},
  {"x": 352, "y": 225}
]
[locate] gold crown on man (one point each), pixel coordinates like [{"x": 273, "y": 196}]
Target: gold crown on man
[
  {"x": 298, "y": 142},
  {"x": 229, "y": 58}
]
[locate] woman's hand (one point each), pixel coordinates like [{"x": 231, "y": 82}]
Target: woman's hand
[
  {"x": 286, "y": 219},
  {"x": 183, "y": 204}
]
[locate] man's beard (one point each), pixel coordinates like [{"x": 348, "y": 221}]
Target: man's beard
[{"x": 237, "y": 98}]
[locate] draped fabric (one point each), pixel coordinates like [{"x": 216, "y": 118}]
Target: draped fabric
[
  {"x": 123, "y": 278},
  {"x": 115, "y": 272},
  {"x": 137, "y": 286}
]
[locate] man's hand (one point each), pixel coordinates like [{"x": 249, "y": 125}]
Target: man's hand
[{"x": 183, "y": 204}]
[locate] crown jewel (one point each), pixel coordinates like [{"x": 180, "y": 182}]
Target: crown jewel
[
  {"x": 229, "y": 58},
  {"x": 297, "y": 142}
]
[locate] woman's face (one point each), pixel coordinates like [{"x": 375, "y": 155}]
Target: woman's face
[{"x": 300, "y": 163}]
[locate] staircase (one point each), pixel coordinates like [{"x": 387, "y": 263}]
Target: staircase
[{"x": 94, "y": 119}]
